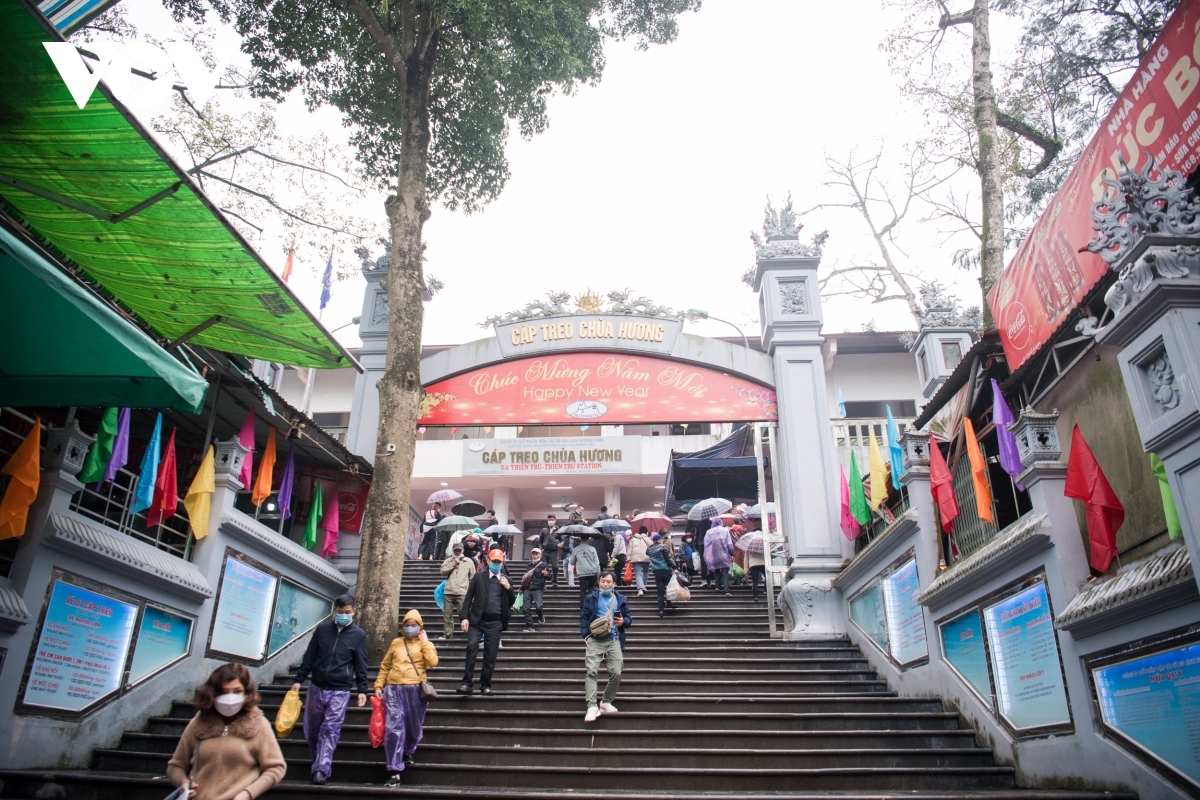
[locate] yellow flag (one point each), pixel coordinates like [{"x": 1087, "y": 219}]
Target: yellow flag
[
  {"x": 25, "y": 469},
  {"x": 983, "y": 490},
  {"x": 879, "y": 490},
  {"x": 199, "y": 495}
]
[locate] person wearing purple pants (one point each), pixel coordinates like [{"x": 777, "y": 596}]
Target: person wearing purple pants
[
  {"x": 336, "y": 659},
  {"x": 407, "y": 663}
]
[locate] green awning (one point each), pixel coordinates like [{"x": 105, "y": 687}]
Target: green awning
[
  {"x": 74, "y": 175},
  {"x": 62, "y": 346}
]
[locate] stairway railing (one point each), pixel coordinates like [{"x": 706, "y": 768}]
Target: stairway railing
[{"x": 774, "y": 538}]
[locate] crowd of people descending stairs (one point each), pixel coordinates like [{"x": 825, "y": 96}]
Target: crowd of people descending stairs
[{"x": 713, "y": 707}]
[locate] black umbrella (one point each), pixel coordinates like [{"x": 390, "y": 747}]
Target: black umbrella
[{"x": 468, "y": 508}]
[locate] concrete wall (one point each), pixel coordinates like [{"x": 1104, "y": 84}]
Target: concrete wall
[{"x": 878, "y": 377}]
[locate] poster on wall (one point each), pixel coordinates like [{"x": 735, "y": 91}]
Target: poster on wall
[
  {"x": 866, "y": 611},
  {"x": 1030, "y": 691},
  {"x": 79, "y": 658},
  {"x": 297, "y": 611},
  {"x": 242, "y": 618},
  {"x": 964, "y": 650},
  {"x": 352, "y": 504},
  {"x": 1154, "y": 702},
  {"x": 1154, "y": 116},
  {"x": 905, "y": 618},
  {"x": 163, "y": 638},
  {"x": 413, "y": 544},
  {"x": 607, "y": 388}
]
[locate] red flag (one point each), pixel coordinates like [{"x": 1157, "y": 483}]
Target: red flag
[
  {"x": 942, "y": 484},
  {"x": 166, "y": 488},
  {"x": 1086, "y": 482}
]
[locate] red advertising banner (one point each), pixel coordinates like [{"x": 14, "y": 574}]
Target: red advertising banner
[
  {"x": 602, "y": 387},
  {"x": 352, "y": 504},
  {"x": 1156, "y": 114}
]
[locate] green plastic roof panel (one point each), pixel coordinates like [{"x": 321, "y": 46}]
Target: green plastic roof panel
[
  {"x": 62, "y": 346},
  {"x": 73, "y": 175}
]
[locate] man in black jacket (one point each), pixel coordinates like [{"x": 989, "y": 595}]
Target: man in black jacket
[
  {"x": 534, "y": 586},
  {"x": 553, "y": 547},
  {"x": 485, "y": 613},
  {"x": 337, "y": 660}
]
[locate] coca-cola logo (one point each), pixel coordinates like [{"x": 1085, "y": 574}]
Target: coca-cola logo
[
  {"x": 1016, "y": 326},
  {"x": 347, "y": 505}
]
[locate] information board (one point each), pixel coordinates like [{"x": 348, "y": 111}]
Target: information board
[
  {"x": 963, "y": 649},
  {"x": 163, "y": 637},
  {"x": 1030, "y": 691},
  {"x": 1155, "y": 702},
  {"x": 296, "y": 612},
  {"x": 82, "y": 649},
  {"x": 866, "y": 610},
  {"x": 243, "y": 616},
  {"x": 905, "y": 620}
]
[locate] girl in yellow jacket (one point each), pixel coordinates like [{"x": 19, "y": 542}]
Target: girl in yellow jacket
[{"x": 406, "y": 664}]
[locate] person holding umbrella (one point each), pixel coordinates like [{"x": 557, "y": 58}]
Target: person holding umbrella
[
  {"x": 638, "y": 547},
  {"x": 756, "y": 562},
  {"x": 429, "y": 540},
  {"x": 662, "y": 562},
  {"x": 718, "y": 548}
]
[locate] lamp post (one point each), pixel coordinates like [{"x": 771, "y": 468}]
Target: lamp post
[{"x": 700, "y": 313}]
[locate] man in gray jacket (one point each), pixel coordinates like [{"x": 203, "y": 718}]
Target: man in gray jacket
[
  {"x": 586, "y": 562},
  {"x": 458, "y": 570}
]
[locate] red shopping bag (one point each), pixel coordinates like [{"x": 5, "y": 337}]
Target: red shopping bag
[
  {"x": 375, "y": 729},
  {"x": 628, "y": 573}
]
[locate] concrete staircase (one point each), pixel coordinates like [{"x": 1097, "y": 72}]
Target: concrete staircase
[{"x": 710, "y": 708}]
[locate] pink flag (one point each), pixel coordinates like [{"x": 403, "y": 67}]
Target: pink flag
[
  {"x": 246, "y": 437},
  {"x": 331, "y": 523},
  {"x": 849, "y": 523}
]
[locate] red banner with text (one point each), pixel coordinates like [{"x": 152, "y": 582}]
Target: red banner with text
[
  {"x": 1156, "y": 114},
  {"x": 605, "y": 388}
]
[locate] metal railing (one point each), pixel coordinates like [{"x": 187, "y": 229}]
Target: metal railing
[
  {"x": 970, "y": 532},
  {"x": 775, "y": 547},
  {"x": 110, "y": 504},
  {"x": 850, "y": 436}
]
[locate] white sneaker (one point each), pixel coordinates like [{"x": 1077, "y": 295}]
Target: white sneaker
[
  {"x": 608, "y": 708},
  {"x": 593, "y": 714},
  {"x": 641, "y": 592}
]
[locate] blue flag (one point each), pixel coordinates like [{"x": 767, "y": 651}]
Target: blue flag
[
  {"x": 895, "y": 452},
  {"x": 327, "y": 282},
  {"x": 143, "y": 493},
  {"x": 841, "y": 404}
]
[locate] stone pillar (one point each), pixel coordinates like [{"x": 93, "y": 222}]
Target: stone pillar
[
  {"x": 1045, "y": 478},
  {"x": 916, "y": 477},
  {"x": 363, "y": 429},
  {"x": 805, "y": 474},
  {"x": 612, "y": 499}
]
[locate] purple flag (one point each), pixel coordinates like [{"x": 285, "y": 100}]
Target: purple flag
[
  {"x": 1010, "y": 458},
  {"x": 120, "y": 451},
  {"x": 285, "y": 482}
]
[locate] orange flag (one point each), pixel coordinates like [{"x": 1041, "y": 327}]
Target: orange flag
[
  {"x": 983, "y": 491},
  {"x": 287, "y": 268},
  {"x": 266, "y": 470},
  {"x": 26, "y": 471}
]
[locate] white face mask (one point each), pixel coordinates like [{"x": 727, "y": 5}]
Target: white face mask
[{"x": 229, "y": 704}]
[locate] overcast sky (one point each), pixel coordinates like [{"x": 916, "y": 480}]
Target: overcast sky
[{"x": 653, "y": 179}]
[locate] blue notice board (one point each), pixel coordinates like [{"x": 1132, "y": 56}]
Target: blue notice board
[
  {"x": 905, "y": 619},
  {"x": 1030, "y": 691},
  {"x": 963, "y": 648},
  {"x": 242, "y": 619},
  {"x": 866, "y": 609},
  {"x": 80, "y": 655},
  {"x": 1155, "y": 702},
  {"x": 162, "y": 638},
  {"x": 296, "y": 611}
]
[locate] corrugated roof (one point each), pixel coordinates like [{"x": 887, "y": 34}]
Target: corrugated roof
[{"x": 75, "y": 176}]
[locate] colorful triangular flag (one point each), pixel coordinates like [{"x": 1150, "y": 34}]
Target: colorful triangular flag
[
  {"x": 101, "y": 450},
  {"x": 143, "y": 492},
  {"x": 895, "y": 451},
  {"x": 166, "y": 488},
  {"x": 198, "y": 501},
  {"x": 286, "y": 481},
  {"x": 1086, "y": 482},
  {"x": 849, "y": 524},
  {"x": 266, "y": 472},
  {"x": 1174, "y": 528},
  {"x": 941, "y": 484},
  {"x": 314, "y": 516},
  {"x": 879, "y": 490},
  {"x": 858, "y": 498},
  {"x": 979, "y": 476},
  {"x": 246, "y": 438},
  {"x": 120, "y": 452},
  {"x": 25, "y": 470},
  {"x": 331, "y": 523}
]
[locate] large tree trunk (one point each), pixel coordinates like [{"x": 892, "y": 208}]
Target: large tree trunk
[
  {"x": 991, "y": 261},
  {"x": 385, "y": 523}
]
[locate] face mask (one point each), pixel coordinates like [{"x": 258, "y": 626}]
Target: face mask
[
  {"x": 229, "y": 704},
  {"x": 606, "y": 592},
  {"x": 412, "y": 631},
  {"x": 495, "y": 568},
  {"x": 343, "y": 619}
]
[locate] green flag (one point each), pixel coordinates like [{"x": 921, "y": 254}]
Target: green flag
[
  {"x": 314, "y": 519},
  {"x": 101, "y": 450},
  {"x": 858, "y": 498},
  {"x": 1174, "y": 529}
]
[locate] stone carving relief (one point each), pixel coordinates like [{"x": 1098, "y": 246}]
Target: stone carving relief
[
  {"x": 1163, "y": 388},
  {"x": 379, "y": 314},
  {"x": 799, "y": 598},
  {"x": 793, "y": 297},
  {"x": 1169, "y": 263},
  {"x": 1142, "y": 202}
]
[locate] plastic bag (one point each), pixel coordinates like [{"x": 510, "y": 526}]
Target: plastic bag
[
  {"x": 628, "y": 573},
  {"x": 289, "y": 712},
  {"x": 519, "y": 604},
  {"x": 439, "y": 595},
  {"x": 677, "y": 592},
  {"x": 378, "y": 722},
  {"x": 736, "y": 573},
  {"x": 696, "y": 561}
]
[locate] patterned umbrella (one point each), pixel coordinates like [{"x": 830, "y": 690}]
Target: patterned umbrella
[
  {"x": 444, "y": 496},
  {"x": 468, "y": 508},
  {"x": 503, "y": 530},
  {"x": 456, "y": 524},
  {"x": 707, "y": 509},
  {"x": 652, "y": 520},
  {"x": 751, "y": 543}
]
